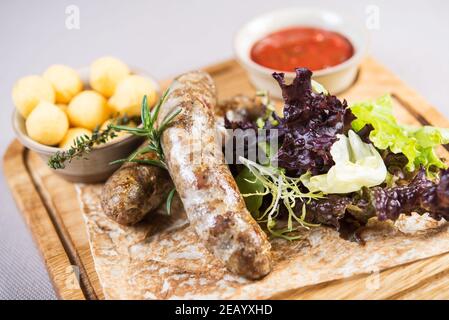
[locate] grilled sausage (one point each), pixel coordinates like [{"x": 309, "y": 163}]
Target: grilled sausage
[
  {"x": 239, "y": 107},
  {"x": 133, "y": 190},
  {"x": 136, "y": 189},
  {"x": 211, "y": 199}
]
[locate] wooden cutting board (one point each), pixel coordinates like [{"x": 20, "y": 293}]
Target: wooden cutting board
[{"x": 50, "y": 207}]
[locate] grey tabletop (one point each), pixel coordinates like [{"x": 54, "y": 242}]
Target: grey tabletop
[{"x": 166, "y": 38}]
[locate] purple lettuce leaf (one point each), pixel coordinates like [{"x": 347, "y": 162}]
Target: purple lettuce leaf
[
  {"x": 350, "y": 213},
  {"x": 310, "y": 125}
]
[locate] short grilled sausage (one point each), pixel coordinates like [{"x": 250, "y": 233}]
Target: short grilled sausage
[{"x": 133, "y": 190}]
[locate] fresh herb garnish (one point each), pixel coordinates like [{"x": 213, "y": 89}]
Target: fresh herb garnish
[
  {"x": 169, "y": 200},
  {"x": 151, "y": 132},
  {"x": 84, "y": 144}
]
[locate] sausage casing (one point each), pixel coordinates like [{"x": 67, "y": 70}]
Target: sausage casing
[
  {"x": 133, "y": 190},
  {"x": 203, "y": 181}
]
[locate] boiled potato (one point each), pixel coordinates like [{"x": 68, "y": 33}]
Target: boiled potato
[
  {"x": 62, "y": 106},
  {"x": 47, "y": 124},
  {"x": 88, "y": 109},
  {"x": 65, "y": 80},
  {"x": 120, "y": 134},
  {"x": 106, "y": 73},
  {"x": 71, "y": 135},
  {"x": 29, "y": 91},
  {"x": 128, "y": 96}
]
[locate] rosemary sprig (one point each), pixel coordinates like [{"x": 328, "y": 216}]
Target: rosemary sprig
[
  {"x": 151, "y": 131},
  {"x": 169, "y": 200},
  {"x": 84, "y": 144}
]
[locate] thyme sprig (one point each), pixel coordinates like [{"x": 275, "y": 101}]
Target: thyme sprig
[{"x": 85, "y": 144}]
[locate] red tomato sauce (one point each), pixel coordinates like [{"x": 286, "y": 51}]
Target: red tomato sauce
[{"x": 313, "y": 48}]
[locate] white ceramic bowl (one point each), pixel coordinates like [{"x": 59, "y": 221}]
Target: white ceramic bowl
[
  {"x": 335, "y": 79},
  {"x": 95, "y": 167}
]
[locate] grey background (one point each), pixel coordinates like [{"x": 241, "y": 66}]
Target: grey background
[{"x": 166, "y": 38}]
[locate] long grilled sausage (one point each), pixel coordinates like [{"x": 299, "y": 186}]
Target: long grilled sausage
[
  {"x": 136, "y": 189},
  {"x": 210, "y": 196}
]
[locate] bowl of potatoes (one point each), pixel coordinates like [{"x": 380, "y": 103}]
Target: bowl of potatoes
[{"x": 55, "y": 109}]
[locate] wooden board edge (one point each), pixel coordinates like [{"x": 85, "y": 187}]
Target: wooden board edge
[
  {"x": 411, "y": 100},
  {"x": 29, "y": 202},
  {"x": 212, "y": 69},
  {"x": 422, "y": 276},
  {"x": 64, "y": 234}
]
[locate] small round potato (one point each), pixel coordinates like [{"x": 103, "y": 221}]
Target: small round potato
[
  {"x": 88, "y": 109},
  {"x": 120, "y": 134},
  {"x": 106, "y": 73},
  {"x": 71, "y": 135},
  {"x": 129, "y": 93},
  {"x": 29, "y": 91},
  {"x": 62, "y": 106},
  {"x": 65, "y": 80},
  {"x": 47, "y": 124}
]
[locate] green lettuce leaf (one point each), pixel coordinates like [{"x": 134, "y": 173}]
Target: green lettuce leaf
[
  {"x": 249, "y": 184},
  {"x": 417, "y": 144},
  {"x": 357, "y": 165}
]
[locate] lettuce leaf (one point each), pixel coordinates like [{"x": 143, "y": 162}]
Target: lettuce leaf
[
  {"x": 357, "y": 165},
  {"x": 309, "y": 126},
  {"x": 417, "y": 144},
  {"x": 249, "y": 184}
]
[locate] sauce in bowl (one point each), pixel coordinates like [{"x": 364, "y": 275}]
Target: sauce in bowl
[{"x": 308, "y": 47}]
